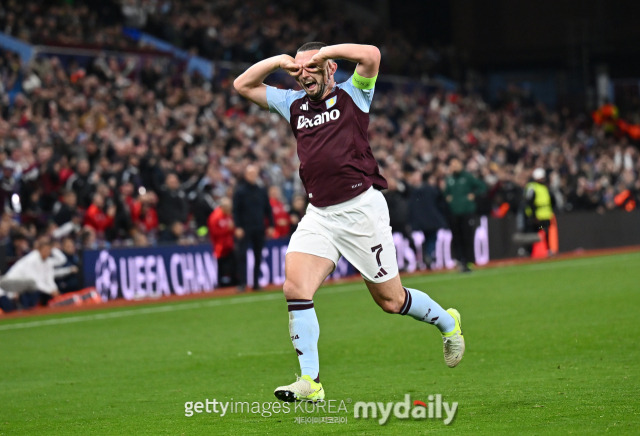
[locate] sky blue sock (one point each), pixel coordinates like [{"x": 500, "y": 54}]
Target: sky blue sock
[
  {"x": 420, "y": 306},
  {"x": 305, "y": 331}
]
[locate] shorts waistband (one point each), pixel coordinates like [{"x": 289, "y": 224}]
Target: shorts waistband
[{"x": 342, "y": 206}]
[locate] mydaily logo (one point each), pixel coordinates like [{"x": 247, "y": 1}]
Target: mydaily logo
[
  {"x": 318, "y": 120},
  {"x": 406, "y": 409}
]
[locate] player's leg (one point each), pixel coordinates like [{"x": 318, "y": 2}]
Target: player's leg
[
  {"x": 392, "y": 297},
  {"x": 304, "y": 274},
  {"x": 311, "y": 257},
  {"x": 369, "y": 247}
]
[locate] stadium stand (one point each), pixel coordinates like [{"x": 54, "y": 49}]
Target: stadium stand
[{"x": 117, "y": 123}]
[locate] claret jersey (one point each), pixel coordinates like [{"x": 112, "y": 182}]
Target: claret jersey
[{"x": 336, "y": 161}]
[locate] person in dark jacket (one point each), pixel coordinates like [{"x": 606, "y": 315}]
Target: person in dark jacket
[
  {"x": 70, "y": 281},
  {"x": 251, "y": 209},
  {"x": 426, "y": 212},
  {"x": 83, "y": 182},
  {"x": 462, "y": 190},
  {"x": 173, "y": 206},
  {"x": 397, "y": 201},
  {"x": 66, "y": 209}
]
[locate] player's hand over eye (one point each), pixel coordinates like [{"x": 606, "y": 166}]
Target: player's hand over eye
[
  {"x": 317, "y": 63},
  {"x": 290, "y": 66}
]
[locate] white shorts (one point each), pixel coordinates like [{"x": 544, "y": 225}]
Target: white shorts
[{"x": 357, "y": 229}]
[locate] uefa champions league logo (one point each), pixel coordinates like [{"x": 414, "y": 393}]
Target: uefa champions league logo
[{"x": 106, "y": 279}]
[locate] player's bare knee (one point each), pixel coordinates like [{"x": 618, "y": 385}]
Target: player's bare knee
[
  {"x": 289, "y": 288},
  {"x": 390, "y": 306},
  {"x": 293, "y": 289}
]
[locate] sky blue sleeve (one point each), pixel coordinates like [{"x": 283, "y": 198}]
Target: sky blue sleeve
[
  {"x": 280, "y": 100},
  {"x": 361, "y": 97}
]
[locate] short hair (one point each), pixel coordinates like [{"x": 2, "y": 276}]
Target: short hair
[
  {"x": 313, "y": 45},
  {"x": 42, "y": 240}
]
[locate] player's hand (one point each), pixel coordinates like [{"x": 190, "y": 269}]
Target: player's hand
[
  {"x": 288, "y": 64},
  {"x": 239, "y": 232},
  {"x": 318, "y": 60},
  {"x": 319, "y": 63}
]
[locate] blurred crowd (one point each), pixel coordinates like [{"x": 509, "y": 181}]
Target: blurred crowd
[
  {"x": 230, "y": 30},
  {"x": 132, "y": 150},
  {"x": 127, "y": 147},
  {"x": 66, "y": 23},
  {"x": 587, "y": 168}
]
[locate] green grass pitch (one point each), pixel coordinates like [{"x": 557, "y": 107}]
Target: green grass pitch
[{"x": 552, "y": 348}]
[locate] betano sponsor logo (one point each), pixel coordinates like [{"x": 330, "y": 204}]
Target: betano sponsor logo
[{"x": 325, "y": 117}]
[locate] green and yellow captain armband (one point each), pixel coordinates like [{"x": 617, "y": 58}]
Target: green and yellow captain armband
[{"x": 363, "y": 82}]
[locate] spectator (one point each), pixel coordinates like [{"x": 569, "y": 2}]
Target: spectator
[
  {"x": 398, "y": 207},
  {"x": 251, "y": 209},
  {"x": 30, "y": 281},
  {"x": 8, "y": 184},
  {"x": 538, "y": 205},
  {"x": 66, "y": 209},
  {"x": 426, "y": 212},
  {"x": 83, "y": 183},
  {"x": 202, "y": 205},
  {"x": 298, "y": 209},
  {"x": 627, "y": 191},
  {"x": 584, "y": 197},
  {"x": 221, "y": 230},
  {"x": 280, "y": 214},
  {"x": 67, "y": 269},
  {"x": 99, "y": 216},
  {"x": 172, "y": 208},
  {"x": 144, "y": 214},
  {"x": 18, "y": 246},
  {"x": 461, "y": 192},
  {"x": 123, "y": 200}
]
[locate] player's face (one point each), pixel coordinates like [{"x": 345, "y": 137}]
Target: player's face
[{"x": 313, "y": 80}]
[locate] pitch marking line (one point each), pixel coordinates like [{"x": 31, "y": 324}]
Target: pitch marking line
[
  {"x": 277, "y": 296},
  {"x": 164, "y": 308}
]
